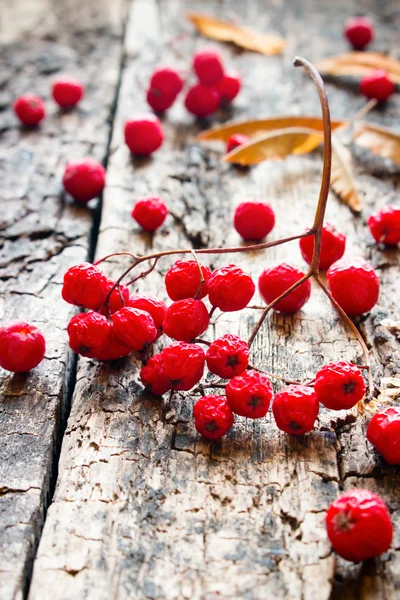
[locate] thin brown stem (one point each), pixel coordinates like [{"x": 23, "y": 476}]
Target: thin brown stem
[
  {"x": 273, "y": 375},
  {"x": 143, "y": 273},
  {"x": 365, "y": 109},
  {"x": 200, "y": 341},
  {"x": 115, "y": 254},
  {"x": 202, "y": 280}
]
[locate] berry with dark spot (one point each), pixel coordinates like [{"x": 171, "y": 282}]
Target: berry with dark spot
[
  {"x": 295, "y": 409},
  {"x": 212, "y": 417},
  {"x": 228, "y": 356},
  {"x": 249, "y": 395},
  {"x": 339, "y": 385}
]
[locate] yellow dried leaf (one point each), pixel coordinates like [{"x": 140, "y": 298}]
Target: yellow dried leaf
[
  {"x": 389, "y": 396},
  {"x": 379, "y": 140},
  {"x": 342, "y": 178},
  {"x": 358, "y": 64},
  {"x": 241, "y": 36}
]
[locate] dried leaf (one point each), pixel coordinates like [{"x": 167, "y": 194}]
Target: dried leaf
[
  {"x": 389, "y": 395},
  {"x": 342, "y": 178},
  {"x": 358, "y": 64},
  {"x": 379, "y": 140},
  {"x": 241, "y": 36}
]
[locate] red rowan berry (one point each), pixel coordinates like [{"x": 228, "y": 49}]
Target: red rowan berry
[
  {"x": 166, "y": 81},
  {"x": 332, "y": 247},
  {"x": 377, "y": 85},
  {"x": 249, "y": 394},
  {"x": 384, "y": 433},
  {"x": 228, "y": 356},
  {"x": 134, "y": 328},
  {"x": 144, "y": 135},
  {"x": 339, "y": 385},
  {"x": 207, "y": 64},
  {"x": 152, "y": 377},
  {"x": 236, "y": 140},
  {"x": 212, "y": 417},
  {"x": 230, "y": 288},
  {"x": 85, "y": 285},
  {"x": 112, "y": 349},
  {"x": 30, "y": 109},
  {"x": 155, "y": 307},
  {"x": 150, "y": 213},
  {"x": 183, "y": 280},
  {"x": 202, "y": 100},
  {"x": 359, "y": 525},
  {"x": 67, "y": 92},
  {"x": 278, "y": 278},
  {"x": 295, "y": 409},
  {"x": 359, "y": 31},
  {"x": 118, "y": 299},
  {"x": 88, "y": 332},
  {"x": 384, "y": 224},
  {"x": 183, "y": 365},
  {"x": 84, "y": 179},
  {"x": 22, "y": 346},
  {"x": 354, "y": 285},
  {"x": 229, "y": 86},
  {"x": 159, "y": 102},
  {"x": 254, "y": 220},
  {"x": 186, "y": 319}
]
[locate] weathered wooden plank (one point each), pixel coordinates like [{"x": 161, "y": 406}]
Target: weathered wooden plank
[{"x": 143, "y": 507}]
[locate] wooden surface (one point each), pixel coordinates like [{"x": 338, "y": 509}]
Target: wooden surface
[{"x": 143, "y": 507}]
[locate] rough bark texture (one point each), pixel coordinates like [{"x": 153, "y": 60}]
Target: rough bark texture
[{"x": 143, "y": 507}]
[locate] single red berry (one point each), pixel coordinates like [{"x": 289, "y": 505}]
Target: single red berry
[
  {"x": 152, "y": 377},
  {"x": 118, "y": 299},
  {"x": 144, "y": 135},
  {"x": 332, "y": 247},
  {"x": 183, "y": 365},
  {"x": 230, "y": 288},
  {"x": 159, "y": 102},
  {"x": 88, "y": 332},
  {"x": 228, "y": 356},
  {"x": 278, "y": 278},
  {"x": 229, "y": 86},
  {"x": 85, "y": 285},
  {"x": 377, "y": 85},
  {"x": 202, "y": 100},
  {"x": 207, "y": 65},
  {"x": 134, "y": 328},
  {"x": 183, "y": 280},
  {"x": 22, "y": 347},
  {"x": 84, "y": 179},
  {"x": 112, "y": 349},
  {"x": 359, "y": 525},
  {"x": 384, "y": 433},
  {"x": 155, "y": 307},
  {"x": 354, "y": 285},
  {"x": 236, "y": 140},
  {"x": 384, "y": 224},
  {"x": 339, "y": 385},
  {"x": 150, "y": 213},
  {"x": 67, "y": 92},
  {"x": 359, "y": 31},
  {"x": 186, "y": 319},
  {"x": 249, "y": 394},
  {"x": 212, "y": 417},
  {"x": 254, "y": 220},
  {"x": 30, "y": 109},
  {"x": 295, "y": 409},
  {"x": 166, "y": 81}
]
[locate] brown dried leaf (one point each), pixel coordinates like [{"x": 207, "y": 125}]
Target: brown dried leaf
[
  {"x": 392, "y": 326},
  {"x": 342, "y": 178},
  {"x": 358, "y": 64},
  {"x": 379, "y": 140},
  {"x": 389, "y": 395},
  {"x": 241, "y": 36}
]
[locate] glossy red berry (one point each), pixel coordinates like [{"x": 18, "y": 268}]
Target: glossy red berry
[
  {"x": 295, "y": 409},
  {"x": 85, "y": 285},
  {"x": 359, "y": 525},
  {"x": 275, "y": 280},
  {"x": 159, "y": 102},
  {"x": 153, "y": 378},
  {"x": 186, "y": 319},
  {"x": 143, "y": 135},
  {"x": 339, "y": 385},
  {"x": 88, "y": 332},
  {"x": 183, "y": 280},
  {"x": 118, "y": 299},
  {"x": 254, "y": 220},
  {"x": 155, "y": 307},
  {"x": 228, "y": 356},
  {"x": 230, "y": 288},
  {"x": 67, "y": 92},
  {"x": 30, "y": 109},
  {"x": 359, "y": 31},
  {"x": 212, "y": 417},
  {"x": 384, "y": 224},
  {"x": 384, "y": 433},
  {"x": 249, "y": 394},
  {"x": 202, "y": 100},
  {"x": 112, "y": 349},
  {"x": 84, "y": 179},
  {"x": 377, "y": 85},
  {"x": 208, "y": 66},
  {"x": 229, "y": 86},
  {"x": 22, "y": 346},
  {"x": 150, "y": 213},
  {"x": 354, "y": 285},
  {"x": 236, "y": 140},
  {"x": 183, "y": 365},
  {"x": 332, "y": 247},
  {"x": 134, "y": 328}
]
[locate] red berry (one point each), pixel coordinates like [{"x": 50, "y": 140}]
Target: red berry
[
  {"x": 159, "y": 102},
  {"x": 230, "y": 288},
  {"x": 359, "y": 525},
  {"x": 249, "y": 394},
  {"x": 118, "y": 299},
  {"x": 84, "y": 179},
  {"x": 295, "y": 409},
  {"x": 134, "y": 328},
  {"x": 208, "y": 66},
  {"x": 88, "y": 332},
  {"x": 152, "y": 377},
  {"x": 30, "y": 109},
  {"x": 278, "y": 278},
  {"x": 144, "y": 135},
  {"x": 354, "y": 285},
  {"x": 339, "y": 385},
  {"x": 228, "y": 356},
  {"x": 112, "y": 349},
  {"x": 212, "y": 417},
  {"x": 85, "y": 285},
  {"x": 384, "y": 433},
  {"x": 150, "y": 213},
  {"x": 202, "y": 100},
  {"x": 229, "y": 86},
  {"x": 183, "y": 365},
  {"x": 183, "y": 280},
  {"x": 166, "y": 81},
  {"x": 186, "y": 319},
  {"x": 377, "y": 85},
  {"x": 67, "y": 92},
  {"x": 22, "y": 347},
  {"x": 155, "y": 307},
  {"x": 254, "y": 220},
  {"x": 359, "y": 31},
  {"x": 384, "y": 224},
  {"x": 332, "y": 247},
  {"x": 236, "y": 140}
]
